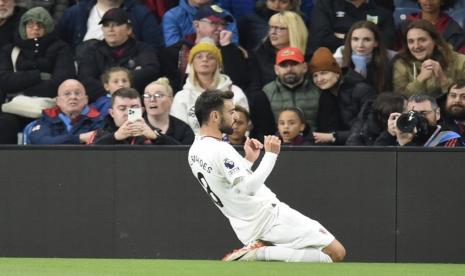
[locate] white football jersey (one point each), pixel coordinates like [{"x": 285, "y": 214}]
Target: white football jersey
[{"x": 218, "y": 167}]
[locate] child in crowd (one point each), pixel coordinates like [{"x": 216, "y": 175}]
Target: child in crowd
[
  {"x": 292, "y": 129},
  {"x": 241, "y": 126},
  {"x": 113, "y": 79}
]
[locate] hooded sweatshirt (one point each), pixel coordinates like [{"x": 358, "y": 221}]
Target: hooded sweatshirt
[
  {"x": 184, "y": 101},
  {"x": 37, "y": 14}
]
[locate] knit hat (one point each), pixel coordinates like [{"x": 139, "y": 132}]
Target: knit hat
[
  {"x": 206, "y": 46},
  {"x": 323, "y": 60},
  {"x": 289, "y": 53},
  {"x": 37, "y": 14}
]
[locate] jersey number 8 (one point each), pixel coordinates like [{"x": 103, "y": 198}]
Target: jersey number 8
[{"x": 207, "y": 189}]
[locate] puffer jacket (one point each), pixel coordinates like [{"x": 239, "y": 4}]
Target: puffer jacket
[{"x": 184, "y": 101}]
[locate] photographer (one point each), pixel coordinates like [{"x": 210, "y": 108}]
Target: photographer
[{"x": 419, "y": 125}]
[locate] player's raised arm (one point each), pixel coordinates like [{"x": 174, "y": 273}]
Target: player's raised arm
[{"x": 252, "y": 149}]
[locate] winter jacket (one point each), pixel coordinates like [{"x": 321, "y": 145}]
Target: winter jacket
[
  {"x": 448, "y": 27},
  {"x": 367, "y": 128},
  {"x": 177, "y": 130},
  {"x": 10, "y": 27},
  {"x": 337, "y": 16},
  {"x": 47, "y": 54},
  {"x": 406, "y": 72},
  {"x": 184, "y": 100},
  {"x": 265, "y": 56},
  {"x": 353, "y": 92},
  {"x": 72, "y": 26},
  {"x": 177, "y": 24},
  {"x": 106, "y": 136},
  {"x": 140, "y": 58},
  {"x": 52, "y": 126},
  {"x": 305, "y": 96},
  {"x": 102, "y": 104}
]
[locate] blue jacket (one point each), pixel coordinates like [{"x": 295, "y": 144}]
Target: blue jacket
[
  {"x": 102, "y": 104},
  {"x": 52, "y": 126},
  {"x": 177, "y": 24},
  {"x": 72, "y": 26}
]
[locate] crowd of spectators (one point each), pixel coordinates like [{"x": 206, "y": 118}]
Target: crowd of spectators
[{"x": 339, "y": 72}]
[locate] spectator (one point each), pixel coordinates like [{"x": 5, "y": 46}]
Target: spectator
[
  {"x": 160, "y": 7},
  {"x": 158, "y": 98},
  {"x": 348, "y": 92},
  {"x": 373, "y": 119},
  {"x": 426, "y": 64},
  {"x": 118, "y": 48},
  {"x": 331, "y": 21},
  {"x": 454, "y": 109},
  {"x": 10, "y": 15},
  {"x": 42, "y": 63},
  {"x": 428, "y": 134},
  {"x": 56, "y": 8},
  {"x": 209, "y": 22},
  {"x": 291, "y": 88},
  {"x": 286, "y": 29},
  {"x": 253, "y": 27},
  {"x": 71, "y": 121},
  {"x": 113, "y": 79},
  {"x": 434, "y": 11},
  {"x": 291, "y": 127},
  {"x": 238, "y": 8},
  {"x": 205, "y": 63},
  {"x": 365, "y": 53},
  {"x": 118, "y": 130},
  {"x": 241, "y": 126},
  {"x": 80, "y": 22},
  {"x": 177, "y": 22}
]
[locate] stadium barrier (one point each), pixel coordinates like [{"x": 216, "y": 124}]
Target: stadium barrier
[{"x": 383, "y": 204}]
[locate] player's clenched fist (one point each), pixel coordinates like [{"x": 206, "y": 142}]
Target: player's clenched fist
[{"x": 272, "y": 144}]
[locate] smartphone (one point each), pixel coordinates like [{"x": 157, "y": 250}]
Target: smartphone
[{"x": 134, "y": 113}]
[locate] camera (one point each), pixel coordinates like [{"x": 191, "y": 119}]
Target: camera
[{"x": 407, "y": 122}]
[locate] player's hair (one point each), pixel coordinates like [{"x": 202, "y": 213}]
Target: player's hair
[
  {"x": 125, "y": 92},
  {"x": 105, "y": 78},
  {"x": 208, "y": 101}
]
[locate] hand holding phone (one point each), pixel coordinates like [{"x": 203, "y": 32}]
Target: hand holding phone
[{"x": 134, "y": 113}]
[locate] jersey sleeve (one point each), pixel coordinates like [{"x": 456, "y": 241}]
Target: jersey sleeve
[{"x": 232, "y": 165}]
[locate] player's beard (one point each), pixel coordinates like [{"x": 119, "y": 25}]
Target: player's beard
[{"x": 224, "y": 128}]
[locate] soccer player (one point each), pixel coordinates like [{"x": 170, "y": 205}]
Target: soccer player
[{"x": 269, "y": 228}]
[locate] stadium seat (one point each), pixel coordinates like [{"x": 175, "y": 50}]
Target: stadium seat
[
  {"x": 26, "y": 131},
  {"x": 400, "y": 14},
  {"x": 459, "y": 16},
  {"x": 405, "y": 4}
]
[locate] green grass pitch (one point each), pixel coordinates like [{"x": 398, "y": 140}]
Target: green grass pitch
[{"x": 118, "y": 267}]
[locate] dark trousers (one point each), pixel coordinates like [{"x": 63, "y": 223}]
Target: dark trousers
[{"x": 10, "y": 125}]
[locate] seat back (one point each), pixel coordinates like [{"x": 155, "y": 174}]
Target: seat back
[{"x": 27, "y": 131}]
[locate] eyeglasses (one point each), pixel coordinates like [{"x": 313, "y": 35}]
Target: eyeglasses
[
  {"x": 277, "y": 29},
  {"x": 156, "y": 96},
  {"x": 214, "y": 24}
]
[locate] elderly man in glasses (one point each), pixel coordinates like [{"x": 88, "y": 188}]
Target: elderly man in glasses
[{"x": 72, "y": 121}]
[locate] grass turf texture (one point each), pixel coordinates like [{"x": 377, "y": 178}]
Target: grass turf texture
[{"x": 116, "y": 267}]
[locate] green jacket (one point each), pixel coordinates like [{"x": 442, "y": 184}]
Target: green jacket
[
  {"x": 305, "y": 96},
  {"x": 404, "y": 77}
]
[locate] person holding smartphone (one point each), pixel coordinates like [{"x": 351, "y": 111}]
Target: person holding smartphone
[{"x": 125, "y": 124}]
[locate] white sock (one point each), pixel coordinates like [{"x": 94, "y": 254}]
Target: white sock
[{"x": 283, "y": 254}]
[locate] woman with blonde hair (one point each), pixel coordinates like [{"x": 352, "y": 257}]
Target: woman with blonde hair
[
  {"x": 204, "y": 73},
  {"x": 285, "y": 29},
  {"x": 158, "y": 98}
]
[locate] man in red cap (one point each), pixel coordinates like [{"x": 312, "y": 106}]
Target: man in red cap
[{"x": 291, "y": 88}]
